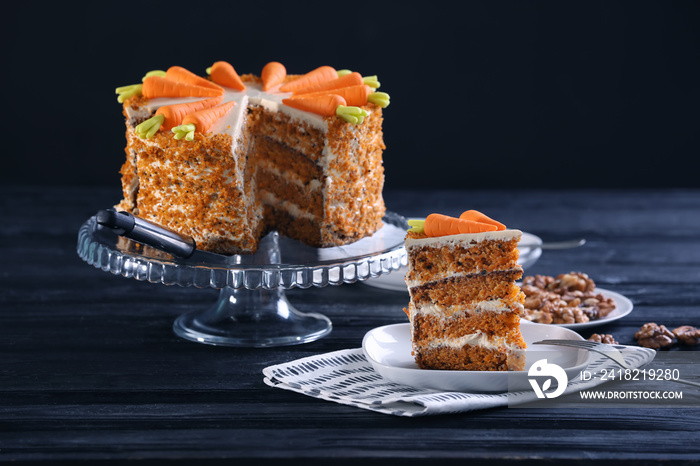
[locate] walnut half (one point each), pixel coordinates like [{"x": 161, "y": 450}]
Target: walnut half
[
  {"x": 687, "y": 335},
  {"x": 604, "y": 338},
  {"x": 654, "y": 336}
]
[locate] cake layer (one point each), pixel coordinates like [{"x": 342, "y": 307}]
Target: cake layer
[
  {"x": 302, "y": 137},
  {"x": 433, "y": 260},
  {"x": 431, "y": 327},
  {"x": 284, "y": 160},
  {"x": 469, "y": 357},
  {"x": 465, "y": 289},
  {"x": 301, "y": 198},
  {"x": 301, "y": 228}
]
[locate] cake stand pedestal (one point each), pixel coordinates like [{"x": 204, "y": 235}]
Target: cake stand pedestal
[{"x": 252, "y": 309}]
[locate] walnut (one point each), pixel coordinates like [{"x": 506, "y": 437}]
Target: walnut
[
  {"x": 687, "y": 335},
  {"x": 654, "y": 336},
  {"x": 538, "y": 281},
  {"x": 573, "y": 281},
  {"x": 571, "y": 301},
  {"x": 604, "y": 338},
  {"x": 533, "y": 302},
  {"x": 569, "y": 315},
  {"x": 540, "y": 317},
  {"x": 530, "y": 290},
  {"x": 605, "y": 305}
]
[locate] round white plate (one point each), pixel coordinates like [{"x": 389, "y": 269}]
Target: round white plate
[
  {"x": 395, "y": 281},
  {"x": 623, "y": 306},
  {"x": 388, "y": 349}
]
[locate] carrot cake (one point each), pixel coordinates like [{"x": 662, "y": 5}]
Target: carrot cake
[
  {"x": 225, "y": 158},
  {"x": 465, "y": 305}
]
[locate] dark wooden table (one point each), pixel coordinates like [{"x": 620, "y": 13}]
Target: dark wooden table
[{"x": 91, "y": 370}]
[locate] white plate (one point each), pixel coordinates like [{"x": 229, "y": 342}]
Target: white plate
[
  {"x": 388, "y": 349},
  {"x": 395, "y": 281},
  {"x": 623, "y": 306}
]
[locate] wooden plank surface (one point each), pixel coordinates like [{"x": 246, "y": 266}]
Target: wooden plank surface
[{"x": 90, "y": 368}]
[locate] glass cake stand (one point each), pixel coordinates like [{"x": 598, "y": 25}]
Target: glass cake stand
[{"x": 252, "y": 309}]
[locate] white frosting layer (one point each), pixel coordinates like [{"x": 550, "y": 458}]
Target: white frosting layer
[
  {"x": 232, "y": 122},
  {"x": 293, "y": 209},
  {"x": 464, "y": 239},
  {"x": 494, "y": 305},
  {"x": 290, "y": 177},
  {"x": 474, "y": 339}
]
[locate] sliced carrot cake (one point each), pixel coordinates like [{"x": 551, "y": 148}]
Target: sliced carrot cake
[
  {"x": 465, "y": 305},
  {"x": 225, "y": 158}
]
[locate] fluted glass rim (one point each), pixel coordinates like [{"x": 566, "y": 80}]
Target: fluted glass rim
[{"x": 216, "y": 271}]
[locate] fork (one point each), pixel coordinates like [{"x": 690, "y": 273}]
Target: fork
[
  {"x": 611, "y": 351},
  {"x": 574, "y": 243}
]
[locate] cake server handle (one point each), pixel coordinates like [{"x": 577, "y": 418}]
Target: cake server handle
[{"x": 143, "y": 231}]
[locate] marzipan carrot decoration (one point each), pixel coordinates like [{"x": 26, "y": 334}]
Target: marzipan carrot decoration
[
  {"x": 354, "y": 95},
  {"x": 444, "y": 225},
  {"x": 175, "y": 114},
  {"x": 169, "y": 116},
  {"x": 347, "y": 80},
  {"x": 320, "y": 74},
  {"x": 178, "y": 73},
  {"x": 476, "y": 216},
  {"x": 223, "y": 73},
  {"x": 323, "y": 104},
  {"x": 201, "y": 121},
  {"x": 158, "y": 86},
  {"x": 273, "y": 74}
]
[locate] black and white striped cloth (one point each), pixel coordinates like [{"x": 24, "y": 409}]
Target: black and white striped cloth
[{"x": 347, "y": 377}]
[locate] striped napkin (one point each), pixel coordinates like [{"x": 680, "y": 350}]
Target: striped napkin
[{"x": 346, "y": 377}]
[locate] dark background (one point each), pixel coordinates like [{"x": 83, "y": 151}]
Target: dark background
[{"x": 485, "y": 94}]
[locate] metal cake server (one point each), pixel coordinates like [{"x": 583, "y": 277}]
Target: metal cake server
[{"x": 143, "y": 231}]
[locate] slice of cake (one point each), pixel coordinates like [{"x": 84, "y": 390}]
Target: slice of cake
[
  {"x": 227, "y": 158},
  {"x": 464, "y": 304}
]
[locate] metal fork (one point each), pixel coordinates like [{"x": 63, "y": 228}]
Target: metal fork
[
  {"x": 611, "y": 351},
  {"x": 573, "y": 243}
]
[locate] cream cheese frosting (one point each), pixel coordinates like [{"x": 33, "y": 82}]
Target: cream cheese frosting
[
  {"x": 464, "y": 238},
  {"x": 495, "y": 305}
]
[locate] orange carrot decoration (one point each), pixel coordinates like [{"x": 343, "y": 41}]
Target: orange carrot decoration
[
  {"x": 477, "y": 216},
  {"x": 178, "y": 73},
  {"x": 353, "y": 95},
  {"x": 352, "y": 79},
  {"x": 444, "y": 225},
  {"x": 223, "y": 73},
  {"x": 157, "y": 86},
  {"x": 205, "y": 119},
  {"x": 320, "y": 74},
  {"x": 323, "y": 104},
  {"x": 175, "y": 114},
  {"x": 273, "y": 74}
]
